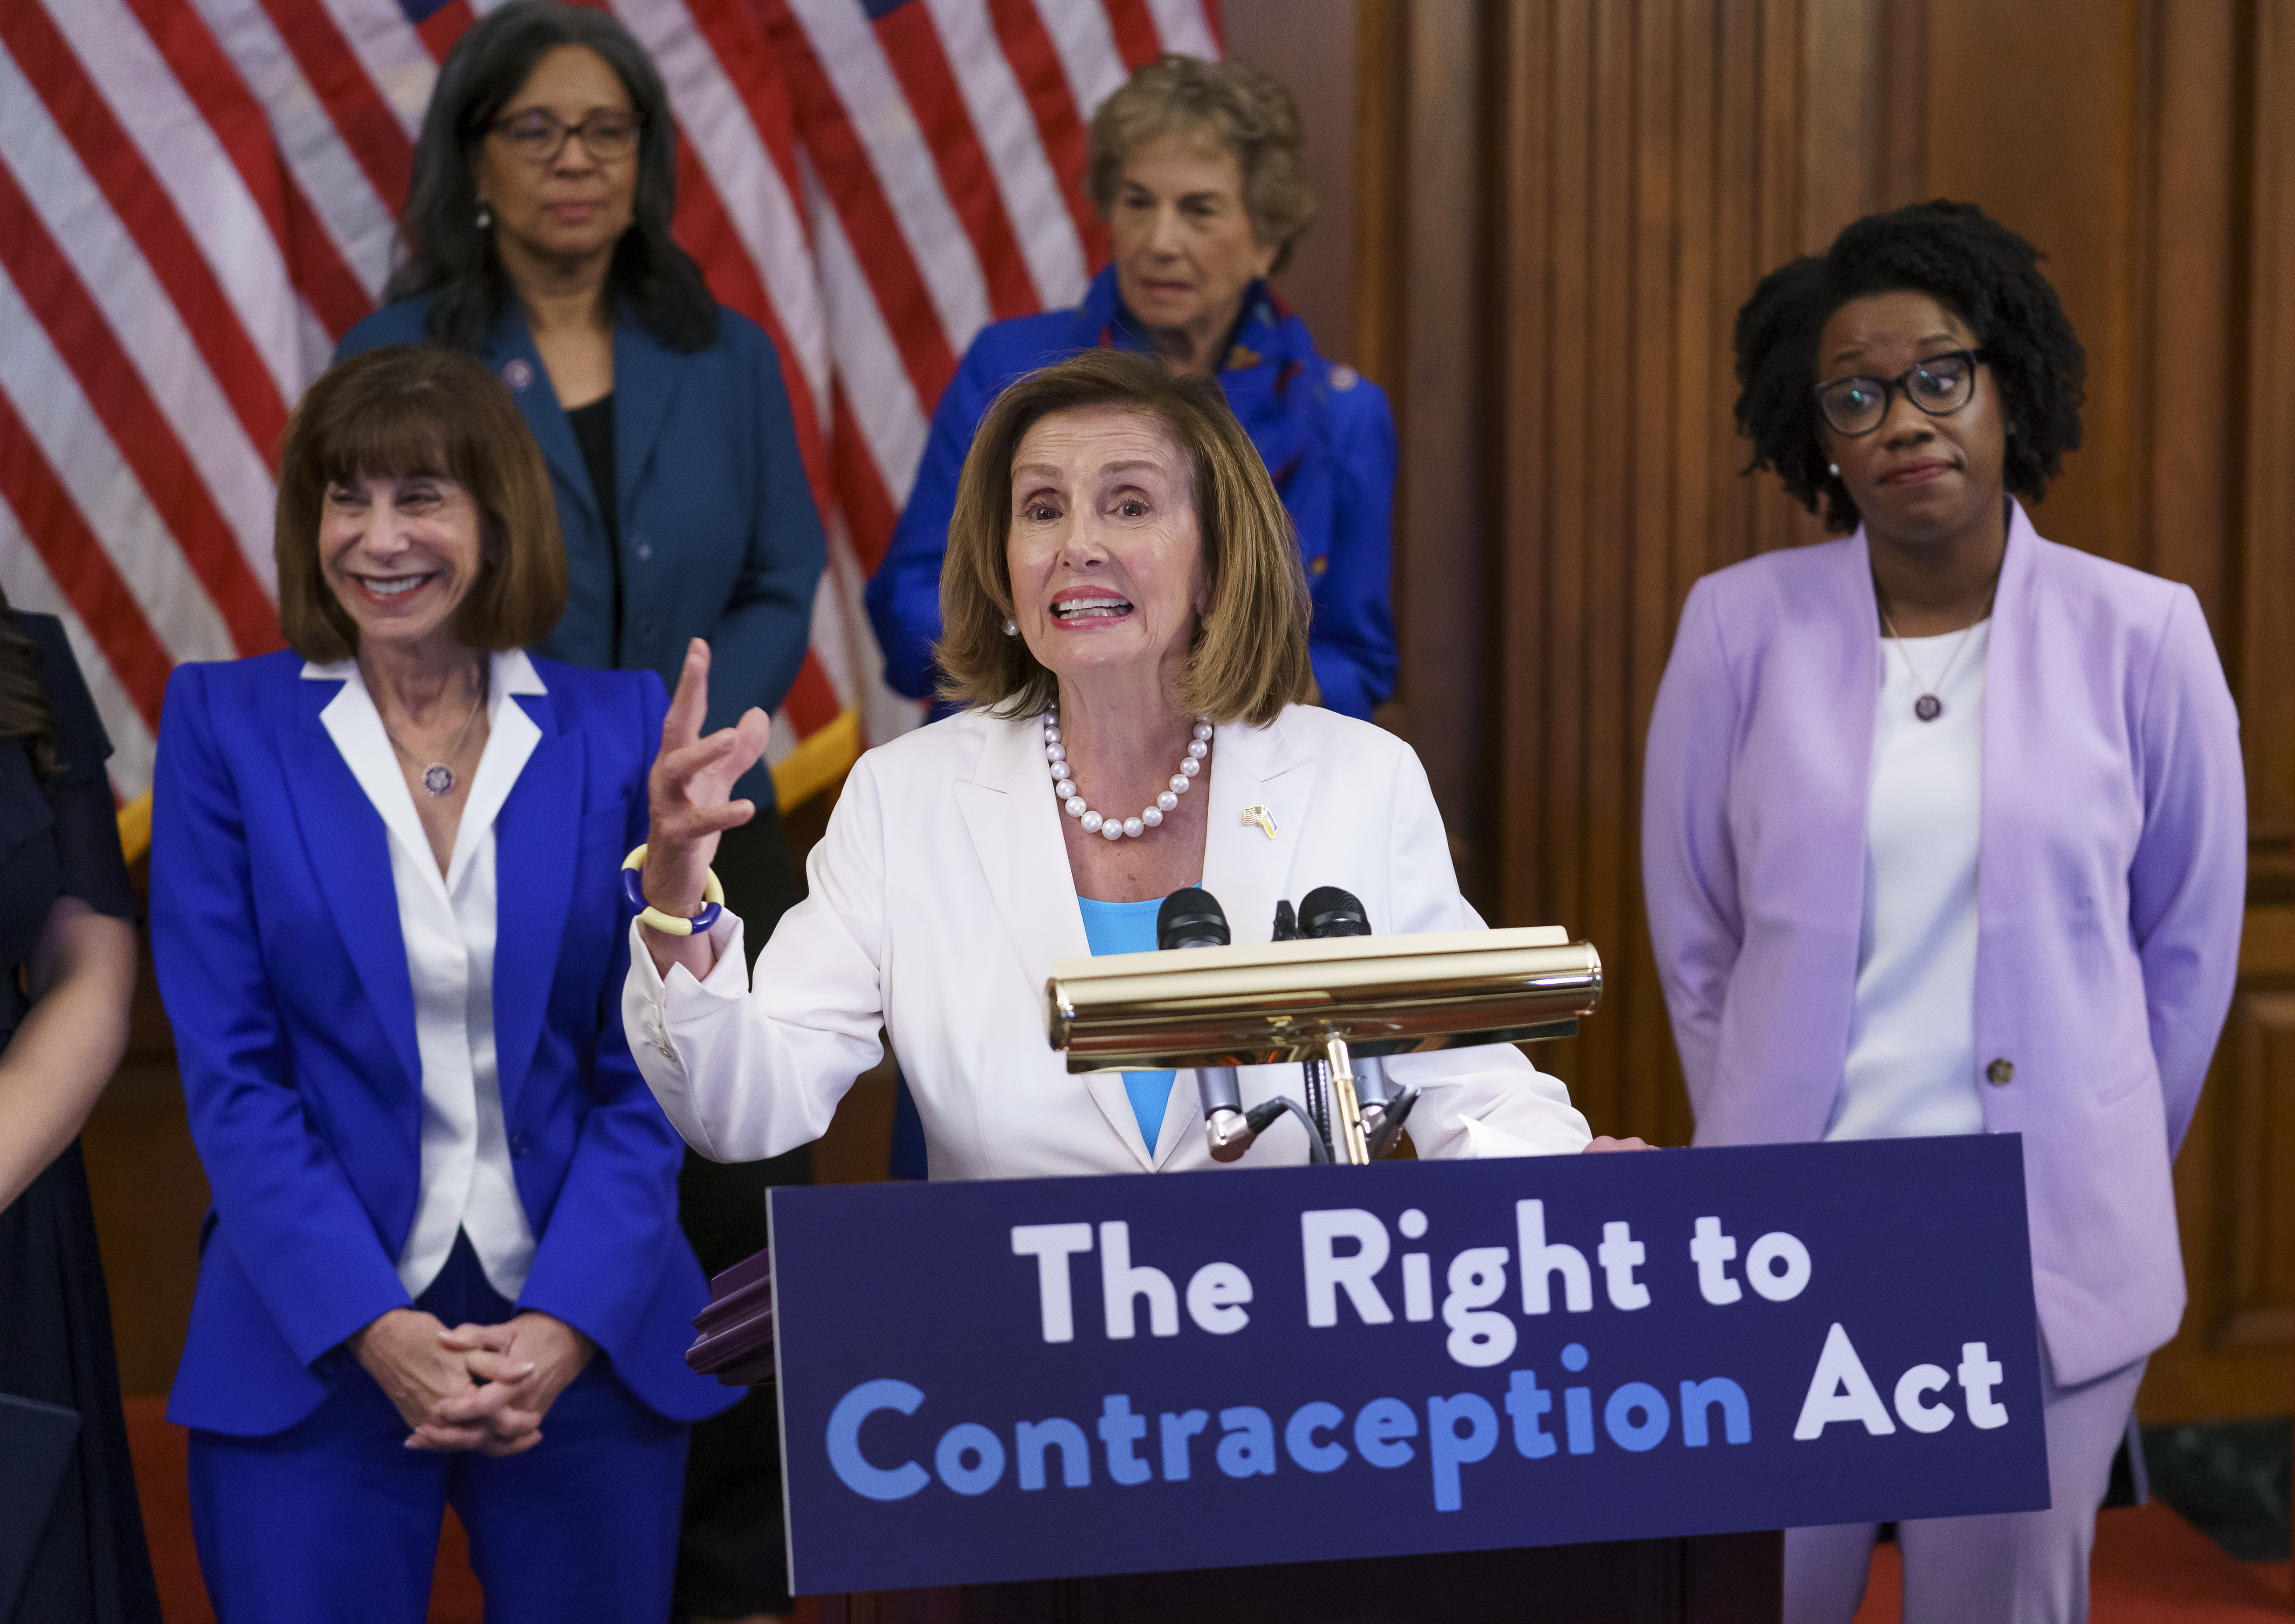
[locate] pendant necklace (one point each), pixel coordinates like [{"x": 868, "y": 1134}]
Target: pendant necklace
[
  {"x": 438, "y": 776},
  {"x": 1928, "y": 707}
]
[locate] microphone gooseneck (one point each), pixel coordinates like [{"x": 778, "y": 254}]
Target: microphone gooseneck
[
  {"x": 1192, "y": 917},
  {"x": 1378, "y": 1112}
]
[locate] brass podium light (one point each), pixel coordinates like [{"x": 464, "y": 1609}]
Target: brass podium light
[{"x": 1346, "y": 1002}]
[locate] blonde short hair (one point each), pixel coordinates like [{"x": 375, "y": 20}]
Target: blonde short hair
[
  {"x": 1248, "y": 657},
  {"x": 1245, "y": 111},
  {"x": 418, "y": 409}
]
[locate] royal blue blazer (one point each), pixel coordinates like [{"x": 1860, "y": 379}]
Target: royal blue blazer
[
  {"x": 1322, "y": 428},
  {"x": 274, "y": 929},
  {"x": 719, "y": 536}
]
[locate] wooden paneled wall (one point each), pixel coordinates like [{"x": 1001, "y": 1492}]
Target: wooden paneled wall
[
  {"x": 1561, "y": 204},
  {"x": 1539, "y": 219}
]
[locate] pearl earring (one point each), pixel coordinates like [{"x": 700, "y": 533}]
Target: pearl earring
[
  {"x": 486, "y": 217},
  {"x": 1011, "y": 627},
  {"x": 1833, "y": 468}
]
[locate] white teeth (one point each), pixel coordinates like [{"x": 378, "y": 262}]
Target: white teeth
[
  {"x": 392, "y": 588},
  {"x": 1078, "y": 607}
]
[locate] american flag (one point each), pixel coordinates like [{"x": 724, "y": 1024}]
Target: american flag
[{"x": 198, "y": 197}]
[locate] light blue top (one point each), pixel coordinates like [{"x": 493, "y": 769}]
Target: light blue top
[{"x": 1129, "y": 927}]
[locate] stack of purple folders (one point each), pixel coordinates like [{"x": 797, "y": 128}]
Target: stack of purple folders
[{"x": 736, "y": 1344}]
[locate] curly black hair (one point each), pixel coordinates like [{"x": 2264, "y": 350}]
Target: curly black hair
[{"x": 1970, "y": 264}]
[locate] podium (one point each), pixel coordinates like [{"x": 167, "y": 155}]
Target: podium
[
  {"x": 1580, "y": 1388},
  {"x": 1711, "y": 1578}
]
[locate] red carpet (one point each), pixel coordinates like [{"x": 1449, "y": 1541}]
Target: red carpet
[{"x": 2150, "y": 1567}]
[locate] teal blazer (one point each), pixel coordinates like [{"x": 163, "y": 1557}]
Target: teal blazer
[{"x": 719, "y": 536}]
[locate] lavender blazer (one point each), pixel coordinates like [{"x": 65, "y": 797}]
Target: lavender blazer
[{"x": 2110, "y": 881}]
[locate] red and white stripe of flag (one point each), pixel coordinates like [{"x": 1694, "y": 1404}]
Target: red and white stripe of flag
[{"x": 197, "y": 199}]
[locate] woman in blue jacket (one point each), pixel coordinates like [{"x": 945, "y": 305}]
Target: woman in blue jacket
[
  {"x": 538, "y": 238},
  {"x": 443, "y": 1263},
  {"x": 1197, "y": 168}
]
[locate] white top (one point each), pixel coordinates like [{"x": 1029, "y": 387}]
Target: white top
[
  {"x": 1912, "y": 1036},
  {"x": 448, "y": 924},
  {"x": 940, "y": 898}
]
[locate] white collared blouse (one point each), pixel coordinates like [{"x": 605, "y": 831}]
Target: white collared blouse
[{"x": 447, "y": 921}]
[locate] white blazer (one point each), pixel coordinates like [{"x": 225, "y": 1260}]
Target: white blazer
[{"x": 941, "y": 897}]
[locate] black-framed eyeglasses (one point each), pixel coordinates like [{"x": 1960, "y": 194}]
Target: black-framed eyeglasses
[
  {"x": 1940, "y": 386},
  {"x": 539, "y": 135}
]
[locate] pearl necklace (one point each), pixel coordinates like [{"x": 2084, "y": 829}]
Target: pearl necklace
[{"x": 1064, "y": 786}]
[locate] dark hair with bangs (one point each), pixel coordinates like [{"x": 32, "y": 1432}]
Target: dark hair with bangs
[
  {"x": 1975, "y": 267},
  {"x": 1249, "y": 657},
  {"x": 407, "y": 410},
  {"x": 452, "y": 260}
]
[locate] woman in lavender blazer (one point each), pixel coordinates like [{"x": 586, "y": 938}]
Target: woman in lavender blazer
[{"x": 1944, "y": 831}]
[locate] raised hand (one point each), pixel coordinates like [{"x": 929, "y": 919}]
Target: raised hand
[{"x": 689, "y": 788}]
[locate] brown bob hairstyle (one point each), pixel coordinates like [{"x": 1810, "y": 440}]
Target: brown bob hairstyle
[
  {"x": 1248, "y": 656},
  {"x": 1229, "y": 103},
  {"x": 405, "y": 410}
]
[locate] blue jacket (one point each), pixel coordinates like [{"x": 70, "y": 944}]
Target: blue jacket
[
  {"x": 1323, "y": 430},
  {"x": 274, "y": 929},
  {"x": 719, "y": 535}
]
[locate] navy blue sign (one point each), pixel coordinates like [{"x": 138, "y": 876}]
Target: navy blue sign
[{"x": 1039, "y": 1379}]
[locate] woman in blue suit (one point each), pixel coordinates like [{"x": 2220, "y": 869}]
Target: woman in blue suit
[
  {"x": 538, "y": 239},
  {"x": 1197, "y": 166},
  {"x": 443, "y": 1264}
]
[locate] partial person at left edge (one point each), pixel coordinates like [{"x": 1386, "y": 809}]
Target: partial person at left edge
[
  {"x": 441, "y": 1265},
  {"x": 536, "y": 237},
  {"x": 68, "y": 949}
]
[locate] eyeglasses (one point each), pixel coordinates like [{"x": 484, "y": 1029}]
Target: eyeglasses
[
  {"x": 539, "y": 136},
  {"x": 1940, "y": 386}
]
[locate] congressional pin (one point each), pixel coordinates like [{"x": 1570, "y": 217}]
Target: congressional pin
[
  {"x": 518, "y": 371},
  {"x": 1260, "y": 816},
  {"x": 1343, "y": 376}
]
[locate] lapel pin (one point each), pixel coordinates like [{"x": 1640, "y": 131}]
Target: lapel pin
[{"x": 1260, "y": 816}]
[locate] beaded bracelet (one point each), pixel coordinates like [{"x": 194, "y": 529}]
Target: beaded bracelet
[{"x": 669, "y": 924}]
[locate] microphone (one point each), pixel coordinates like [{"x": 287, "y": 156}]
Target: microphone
[
  {"x": 1327, "y": 911},
  {"x": 1192, "y": 917}
]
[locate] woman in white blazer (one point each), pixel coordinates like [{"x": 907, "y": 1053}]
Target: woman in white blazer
[{"x": 1127, "y": 620}]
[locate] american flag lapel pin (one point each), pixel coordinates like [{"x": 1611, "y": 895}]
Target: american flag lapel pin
[{"x": 1260, "y": 816}]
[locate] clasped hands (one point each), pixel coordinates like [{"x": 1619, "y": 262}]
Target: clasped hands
[{"x": 473, "y": 1387}]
